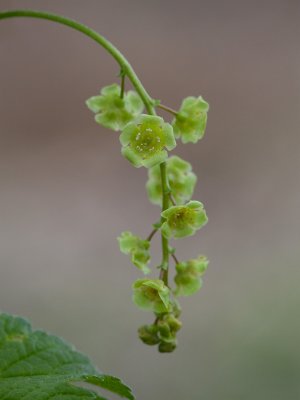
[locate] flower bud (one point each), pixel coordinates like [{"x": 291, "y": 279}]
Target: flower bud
[{"x": 148, "y": 334}]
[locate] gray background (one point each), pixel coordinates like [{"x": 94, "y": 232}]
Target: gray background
[{"x": 67, "y": 193}]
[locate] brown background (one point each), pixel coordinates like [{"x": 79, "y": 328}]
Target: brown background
[{"x": 67, "y": 193}]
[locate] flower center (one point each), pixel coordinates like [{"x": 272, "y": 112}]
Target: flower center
[
  {"x": 182, "y": 218},
  {"x": 148, "y": 140}
]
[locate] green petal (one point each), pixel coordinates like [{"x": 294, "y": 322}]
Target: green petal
[
  {"x": 94, "y": 103},
  {"x": 127, "y": 133},
  {"x": 200, "y": 219},
  {"x": 113, "y": 89},
  {"x": 132, "y": 157},
  {"x": 188, "y": 288},
  {"x": 166, "y": 230},
  {"x": 185, "y": 232},
  {"x": 194, "y": 204},
  {"x": 134, "y": 102},
  {"x": 169, "y": 136},
  {"x": 155, "y": 159}
]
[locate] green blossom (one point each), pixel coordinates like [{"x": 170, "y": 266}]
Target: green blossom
[
  {"x": 190, "y": 122},
  {"x": 152, "y": 294},
  {"x": 137, "y": 248},
  {"x": 181, "y": 221},
  {"x": 146, "y": 139},
  {"x": 188, "y": 278},
  {"x": 111, "y": 110},
  {"x": 181, "y": 181}
]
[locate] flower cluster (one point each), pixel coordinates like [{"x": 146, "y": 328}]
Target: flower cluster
[
  {"x": 146, "y": 141},
  {"x": 162, "y": 333}
]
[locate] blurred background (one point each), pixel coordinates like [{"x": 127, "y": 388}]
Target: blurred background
[{"x": 67, "y": 193}]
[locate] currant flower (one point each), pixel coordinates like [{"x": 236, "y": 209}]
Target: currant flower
[
  {"x": 146, "y": 139},
  {"x": 188, "y": 277},
  {"x": 152, "y": 295},
  {"x": 137, "y": 248},
  {"x": 182, "y": 181},
  {"x": 190, "y": 122},
  {"x": 111, "y": 110},
  {"x": 182, "y": 221}
]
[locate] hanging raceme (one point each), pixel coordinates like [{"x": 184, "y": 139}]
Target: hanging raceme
[{"x": 146, "y": 140}]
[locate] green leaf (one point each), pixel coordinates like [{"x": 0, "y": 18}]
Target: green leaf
[{"x": 35, "y": 365}]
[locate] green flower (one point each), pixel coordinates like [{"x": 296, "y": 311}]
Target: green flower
[
  {"x": 182, "y": 181},
  {"x": 190, "y": 122},
  {"x": 181, "y": 221},
  {"x": 146, "y": 139},
  {"x": 111, "y": 110},
  {"x": 137, "y": 248},
  {"x": 188, "y": 278},
  {"x": 152, "y": 294}
]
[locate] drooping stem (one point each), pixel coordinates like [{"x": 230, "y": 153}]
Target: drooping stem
[
  {"x": 126, "y": 70},
  {"x": 117, "y": 55}
]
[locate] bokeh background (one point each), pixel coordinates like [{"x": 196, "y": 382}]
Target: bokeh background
[{"x": 67, "y": 193}]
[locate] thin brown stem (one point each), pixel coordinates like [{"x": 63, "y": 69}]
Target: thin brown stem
[
  {"x": 152, "y": 234},
  {"x": 175, "y": 258},
  {"x": 168, "y": 109}
]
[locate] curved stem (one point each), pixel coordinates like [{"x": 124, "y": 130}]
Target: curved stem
[
  {"x": 117, "y": 55},
  {"x": 127, "y": 70}
]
